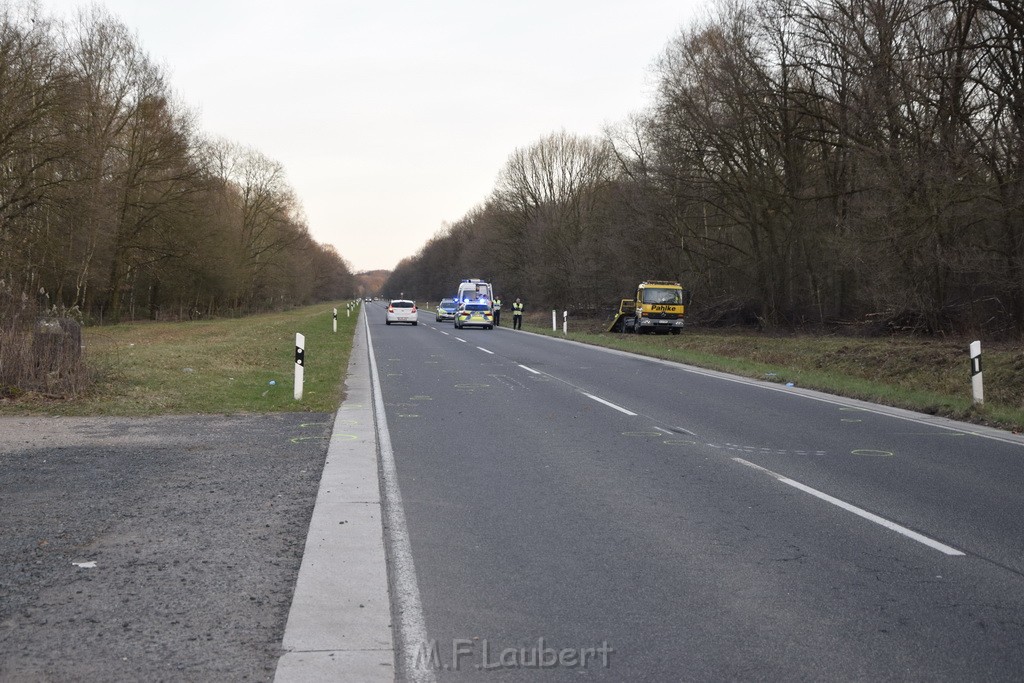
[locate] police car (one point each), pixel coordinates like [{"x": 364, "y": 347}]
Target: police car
[
  {"x": 475, "y": 314},
  {"x": 447, "y": 309}
]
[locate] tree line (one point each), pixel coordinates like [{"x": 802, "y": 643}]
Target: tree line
[
  {"x": 114, "y": 204},
  {"x": 803, "y": 162}
]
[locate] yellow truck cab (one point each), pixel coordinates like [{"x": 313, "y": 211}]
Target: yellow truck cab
[{"x": 660, "y": 306}]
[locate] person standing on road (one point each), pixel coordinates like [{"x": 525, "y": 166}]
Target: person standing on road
[
  {"x": 517, "y": 315},
  {"x": 497, "y": 312}
]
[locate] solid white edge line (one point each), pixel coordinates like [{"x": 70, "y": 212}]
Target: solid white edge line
[
  {"x": 485, "y": 350},
  {"x": 814, "y": 395},
  {"x": 410, "y": 625},
  {"x": 930, "y": 542},
  {"x": 609, "y": 404},
  {"x": 536, "y": 372}
]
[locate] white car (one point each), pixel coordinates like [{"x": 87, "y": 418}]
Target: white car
[{"x": 401, "y": 311}]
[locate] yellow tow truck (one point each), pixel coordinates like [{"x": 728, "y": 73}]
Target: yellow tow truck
[{"x": 659, "y": 306}]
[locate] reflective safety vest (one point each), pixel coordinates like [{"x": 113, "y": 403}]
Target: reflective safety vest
[
  {"x": 517, "y": 309},
  {"x": 497, "y": 304}
]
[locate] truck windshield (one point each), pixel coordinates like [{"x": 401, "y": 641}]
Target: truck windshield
[{"x": 663, "y": 296}]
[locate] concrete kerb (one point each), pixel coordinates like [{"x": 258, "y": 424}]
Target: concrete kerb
[{"x": 339, "y": 624}]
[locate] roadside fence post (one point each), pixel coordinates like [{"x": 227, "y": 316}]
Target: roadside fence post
[
  {"x": 300, "y": 362},
  {"x": 976, "y": 384}
]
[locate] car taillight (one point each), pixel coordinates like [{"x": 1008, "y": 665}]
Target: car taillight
[
  {"x": 413, "y": 309},
  {"x": 391, "y": 309}
]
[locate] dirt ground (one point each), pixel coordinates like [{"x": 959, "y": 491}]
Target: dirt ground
[{"x": 158, "y": 549}]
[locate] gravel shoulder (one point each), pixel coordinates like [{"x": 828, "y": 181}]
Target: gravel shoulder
[{"x": 161, "y": 549}]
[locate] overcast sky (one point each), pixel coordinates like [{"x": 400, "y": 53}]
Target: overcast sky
[{"x": 392, "y": 118}]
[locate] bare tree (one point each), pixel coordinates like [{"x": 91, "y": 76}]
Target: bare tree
[
  {"x": 32, "y": 142},
  {"x": 550, "y": 195}
]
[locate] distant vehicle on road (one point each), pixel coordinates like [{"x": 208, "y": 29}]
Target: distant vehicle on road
[
  {"x": 447, "y": 309},
  {"x": 474, "y": 314},
  {"x": 401, "y": 311},
  {"x": 475, "y": 289}
]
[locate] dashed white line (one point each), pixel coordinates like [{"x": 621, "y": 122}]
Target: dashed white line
[
  {"x": 485, "y": 350},
  {"x": 461, "y": 340},
  {"x": 609, "y": 404},
  {"x": 536, "y": 372},
  {"x": 444, "y": 333},
  {"x": 931, "y": 543},
  {"x": 663, "y": 431}
]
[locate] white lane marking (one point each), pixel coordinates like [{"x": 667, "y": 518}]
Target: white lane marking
[
  {"x": 663, "y": 431},
  {"x": 843, "y": 403},
  {"x": 536, "y": 372},
  {"x": 461, "y": 340},
  {"x": 444, "y": 333},
  {"x": 411, "y": 630},
  {"x": 932, "y": 543},
  {"x": 609, "y": 404},
  {"x": 485, "y": 350}
]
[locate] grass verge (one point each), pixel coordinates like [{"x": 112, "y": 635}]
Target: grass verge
[
  {"x": 217, "y": 366},
  {"x": 247, "y": 365},
  {"x": 931, "y": 376}
]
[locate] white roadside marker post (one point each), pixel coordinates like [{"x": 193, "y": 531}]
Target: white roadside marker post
[
  {"x": 976, "y": 384},
  {"x": 554, "y": 321},
  {"x": 300, "y": 362},
  {"x": 565, "y": 322},
  {"x": 335, "y": 320}
]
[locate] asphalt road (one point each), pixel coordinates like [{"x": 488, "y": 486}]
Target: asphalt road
[
  {"x": 572, "y": 513},
  {"x": 152, "y": 549},
  {"x": 628, "y": 519}
]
